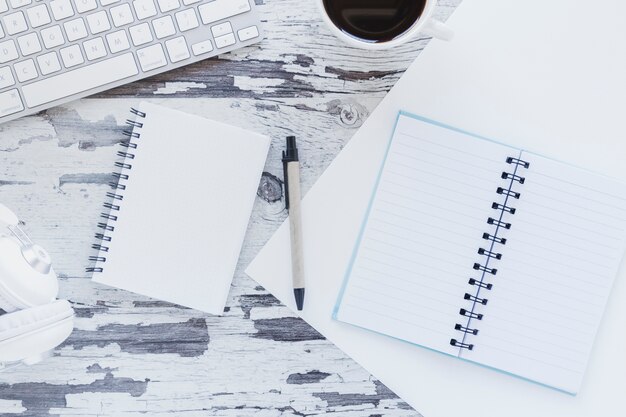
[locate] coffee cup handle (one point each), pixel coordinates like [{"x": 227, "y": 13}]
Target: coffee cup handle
[{"x": 438, "y": 30}]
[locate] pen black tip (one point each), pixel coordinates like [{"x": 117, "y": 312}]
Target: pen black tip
[{"x": 299, "y": 294}]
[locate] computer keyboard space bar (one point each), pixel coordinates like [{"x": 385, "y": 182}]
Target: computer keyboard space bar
[{"x": 79, "y": 80}]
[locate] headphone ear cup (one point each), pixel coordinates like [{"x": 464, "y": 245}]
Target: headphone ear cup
[
  {"x": 21, "y": 286},
  {"x": 27, "y": 335}
]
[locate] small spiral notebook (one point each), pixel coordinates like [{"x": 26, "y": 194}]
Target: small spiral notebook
[
  {"x": 489, "y": 253},
  {"x": 175, "y": 218}
]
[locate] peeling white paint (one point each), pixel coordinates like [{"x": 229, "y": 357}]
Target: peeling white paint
[
  {"x": 257, "y": 85},
  {"x": 11, "y": 407},
  {"x": 178, "y": 87}
]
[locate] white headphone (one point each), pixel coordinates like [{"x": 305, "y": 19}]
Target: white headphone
[{"x": 35, "y": 321}]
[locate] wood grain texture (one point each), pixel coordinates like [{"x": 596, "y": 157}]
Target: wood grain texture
[{"x": 130, "y": 355}]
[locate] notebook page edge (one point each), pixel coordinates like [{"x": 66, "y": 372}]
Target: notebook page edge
[
  {"x": 517, "y": 376},
  {"x": 346, "y": 276},
  {"x": 575, "y": 166}
]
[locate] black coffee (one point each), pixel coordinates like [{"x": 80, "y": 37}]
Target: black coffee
[{"x": 374, "y": 20}]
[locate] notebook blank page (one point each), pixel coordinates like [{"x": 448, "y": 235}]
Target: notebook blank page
[
  {"x": 417, "y": 248},
  {"x": 559, "y": 262},
  {"x": 185, "y": 210}
]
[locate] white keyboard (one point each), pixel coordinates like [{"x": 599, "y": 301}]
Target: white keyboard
[{"x": 55, "y": 51}]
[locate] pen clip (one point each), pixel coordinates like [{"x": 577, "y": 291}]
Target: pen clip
[
  {"x": 290, "y": 154},
  {"x": 286, "y": 180}
]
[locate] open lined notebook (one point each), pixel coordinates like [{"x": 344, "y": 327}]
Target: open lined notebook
[{"x": 486, "y": 252}]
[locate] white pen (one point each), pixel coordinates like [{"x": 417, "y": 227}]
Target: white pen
[{"x": 291, "y": 167}]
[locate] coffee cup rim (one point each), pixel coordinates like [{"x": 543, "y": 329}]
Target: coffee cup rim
[{"x": 399, "y": 40}]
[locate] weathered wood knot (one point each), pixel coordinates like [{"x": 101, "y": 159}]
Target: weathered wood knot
[
  {"x": 350, "y": 114},
  {"x": 270, "y": 188}
]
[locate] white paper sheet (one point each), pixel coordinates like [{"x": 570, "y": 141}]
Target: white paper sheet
[
  {"x": 545, "y": 76},
  {"x": 185, "y": 210}
]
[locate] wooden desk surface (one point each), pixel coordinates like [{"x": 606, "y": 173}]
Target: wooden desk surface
[{"x": 130, "y": 355}]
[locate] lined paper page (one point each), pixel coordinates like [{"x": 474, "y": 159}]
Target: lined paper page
[
  {"x": 559, "y": 262},
  {"x": 427, "y": 216}
]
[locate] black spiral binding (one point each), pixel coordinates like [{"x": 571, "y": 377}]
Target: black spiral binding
[
  {"x": 113, "y": 204},
  {"x": 486, "y": 269}
]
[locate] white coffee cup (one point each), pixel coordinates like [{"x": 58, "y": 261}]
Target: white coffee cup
[{"x": 425, "y": 24}]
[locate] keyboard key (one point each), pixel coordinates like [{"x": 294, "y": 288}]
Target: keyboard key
[
  {"x": 151, "y": 57},
  {"x": 222, "y": 29},
  {"x": 140, "y": 34},
  {"x": 29, "y": 44},
  {"x": 177, "y": 49},
  {"x": 98, "y": 22},
  {"x": 221, "y": 9},
  {"x": 81, "y": 79},
  {"x": 75, "y": 29},
  {"x": 187, "y": 20},
  {"x": 83, "y": 6},
  {"x": 248, "y": 33},
  {"x": 202, "y": 47},
  {"x": 225, "y": 40},
  {"x": 48, "y": 63},
  {"x": 144, "y": 8},
  {"x": 163, "y": 27},
  {"x": 15, "y": 23},
  {"x": 71, "y": 56},
  {"x": 38, "y": 15},
  {"x": 20, "y": 3},
  {"x": 6, "y": 77},
  {"x": 53, "y": 50},
  {"x": 25, "y": 70},
  {"x": 168, "y": 5},
  {"x": 118, "y": 41},
  {"x": 61, "y": 9},
  {"x": 94, "y": 48},
  {"x": 8, "y": 51},
  {"x": 10, "y": 102},
  {"x": 122, "y": 15},
  {"x": 52, "y": 37}
]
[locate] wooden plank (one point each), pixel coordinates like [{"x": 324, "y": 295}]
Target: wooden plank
[{"x": 130, "y": 355}]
